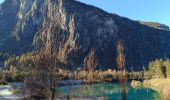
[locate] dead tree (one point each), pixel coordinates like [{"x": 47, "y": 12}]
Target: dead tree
[
  {"x": 91, "y": 61},
  {"x": 42, "y": 81}
]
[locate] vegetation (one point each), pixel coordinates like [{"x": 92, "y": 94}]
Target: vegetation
[
  {"x": 91, "y": 62},
  {"x": 154, "y": 25},
  {"x": 120, "y": 60},
  {"x": 41, "y": 71},
  {"x": 167, "y": 64},
  {"x": 2, "y": 79},
  {"x": 16, "y": 69},
  {"x": 11, "y": 75},
  {"x": 20, "y": 62},
  {"x": 159, "y": 68},
  {"x": 42, "y": 81}
]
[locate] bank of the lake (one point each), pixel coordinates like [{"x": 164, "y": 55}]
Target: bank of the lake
[
  {"x": 7, "y": 94},
  {"x": 162, "y": 86}
]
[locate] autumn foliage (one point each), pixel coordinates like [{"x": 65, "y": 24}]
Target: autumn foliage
[{"x": 91, "y": 61}]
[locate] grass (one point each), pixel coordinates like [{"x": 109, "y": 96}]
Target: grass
[{"x": 161, "y": 85}]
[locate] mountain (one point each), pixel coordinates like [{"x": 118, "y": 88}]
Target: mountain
[{"x": 72, "y": 28}]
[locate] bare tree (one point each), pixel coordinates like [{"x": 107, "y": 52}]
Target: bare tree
[
  {"x": 42, "y": 81},
  {"x": 91, "y": 61}
]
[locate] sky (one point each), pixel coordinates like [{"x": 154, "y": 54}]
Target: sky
[
  {"x": 146, "y": 10},
  {"x": 1, "y": 1}
]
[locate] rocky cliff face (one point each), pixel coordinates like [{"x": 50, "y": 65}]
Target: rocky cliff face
[
  {"x": 8, "y": 19},
  {"x": 72, "y": 28}
]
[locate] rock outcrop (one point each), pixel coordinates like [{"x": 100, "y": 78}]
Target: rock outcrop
[{"x": 155, "y": 25}]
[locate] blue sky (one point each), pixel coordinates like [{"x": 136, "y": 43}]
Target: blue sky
[
  {"x": 147, "y": 10},
  {"x": 1, "y": 1}
]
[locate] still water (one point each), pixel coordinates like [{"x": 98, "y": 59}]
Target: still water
[{"x": 108, "y": 91}]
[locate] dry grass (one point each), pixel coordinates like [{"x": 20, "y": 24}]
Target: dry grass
[{"x": 160, "y": 85}]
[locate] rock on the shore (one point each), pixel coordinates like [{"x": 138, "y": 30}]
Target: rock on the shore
[{"x": 135, "y": 83}]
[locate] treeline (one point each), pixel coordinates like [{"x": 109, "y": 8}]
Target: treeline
[
  {"x": 16, "y": 68},
  {"x": 12, "y": 74},
  {"x": 20, "y": 62}
]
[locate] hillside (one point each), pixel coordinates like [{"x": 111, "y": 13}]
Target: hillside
[{"x": 72, "y": 28}]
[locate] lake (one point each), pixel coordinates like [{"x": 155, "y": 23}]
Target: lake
[{"x": 108, "y": 91}]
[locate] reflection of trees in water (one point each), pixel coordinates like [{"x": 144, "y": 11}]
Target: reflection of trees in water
[
  {"x": 123, "y": 90},
  {"x": 95, "y": 90}
]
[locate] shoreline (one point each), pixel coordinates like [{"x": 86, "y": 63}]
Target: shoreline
[
  {"x": 162, "y": 86},
  {"x": 6, "y": 94}
]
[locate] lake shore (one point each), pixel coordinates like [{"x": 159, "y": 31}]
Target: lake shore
[
  {"x": 6, "y": 94},
  {"x": 162, "y": 86}
]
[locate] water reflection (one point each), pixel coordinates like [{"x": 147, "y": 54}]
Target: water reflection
[{"x": 108, "y": 91}]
